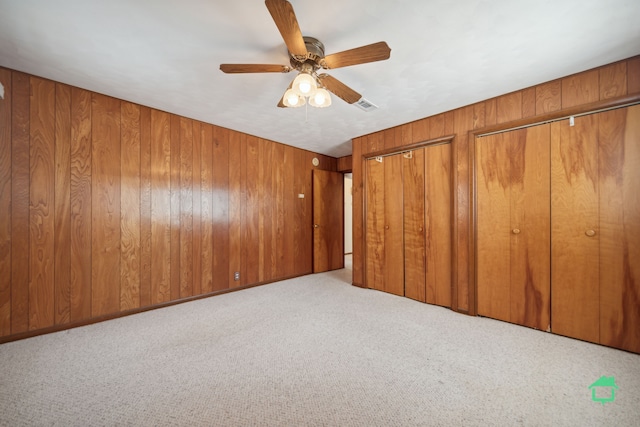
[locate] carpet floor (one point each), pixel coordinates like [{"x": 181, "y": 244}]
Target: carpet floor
[{"x": 311, "y": 351}]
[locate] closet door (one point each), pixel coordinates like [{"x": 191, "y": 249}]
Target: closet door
[
  {"x": 393, "y": 226},
  {"x": 438, "y": 223},
  {"x": 375, "y": 225},
  {"x": 384, "y": 204},
  {"x": 493, "y": 227},
  {"x": 619, "y": 201},
  {"x": 575, "y": 253},
  {"x": 513, "y": 222},
  {"x": 414, "y": 225}
]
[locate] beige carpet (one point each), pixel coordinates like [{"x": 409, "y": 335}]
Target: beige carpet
[{"x": 311, "y": 351}]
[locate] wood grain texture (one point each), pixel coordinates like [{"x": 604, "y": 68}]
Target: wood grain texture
[
  {"x": 530, "y": 213},
  {"x": 62, "y": 197},
  {"x": 619, "y": 173},
  {"x": 493, "y": 232},
  {"x": 414, "y": 225},
  {"x": 289, "y": 255},
  {"x": 176, "y": 193},
  {"x": 304, "y": 215},
  {"x": 5, "y": 204},
  {"x": 206, "y": 212},
  {"x": 358, "y": 256},
  {"x": 80, "y": 195},
  {"x": 375, "y": 224},
  {"x": 375, "y": 142},
  {"x": 345, "y": 164},
  {"x": 160, "y": 207},
  {"x": 41, "y": 204},
  {"x": 509, "y": 107},
  {"x": 438, "y": 225},
  {"x": 328, "y": 219},
  {"x": 267, "y": 265},
  {"x": 221, "y": 209},
  {"x": 580, "y": 88},
  {"x": 186, "y": 208},
  {"x": 491, "y": 112},
  {"x": 574, "y": 205},
  {"x": 252, "y": 213},
  {"x": 461, "y": 291},
  {"x": 20, "y": 161},
  {"x": 130, "y": 207},
  {"x": 145, "y": 206},
  {"x": 197, "y": 207},
  {"x": 235, "y": 208},
  {"x": 633, "y": 75},
  {"x": 105, "y": 205},
  {"x": 420, "y": 130},
  {"x": 613, "y": 80},
  {"x": 393, "y": 228},
  {"x": 548, "y": 97},
  {"x": 436, "y": 126},
  {"x": 279, "y": 220},
  {"x": 529, "y": 102}
]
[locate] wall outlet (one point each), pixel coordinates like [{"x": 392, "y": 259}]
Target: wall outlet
[{"x": 236, "y": 276}]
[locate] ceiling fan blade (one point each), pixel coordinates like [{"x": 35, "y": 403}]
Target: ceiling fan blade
[
  {"x": 339, "y": 89},
  {"x": 254, "y": 68},
  {"x": 360, "y": 55},
  {"x": 283, "y": 15}
]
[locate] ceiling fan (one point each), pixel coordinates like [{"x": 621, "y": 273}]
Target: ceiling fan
[{"x": 306, "y": 55}]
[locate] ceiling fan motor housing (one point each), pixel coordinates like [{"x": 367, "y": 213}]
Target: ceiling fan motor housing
[{"x": 315, "y": 53}]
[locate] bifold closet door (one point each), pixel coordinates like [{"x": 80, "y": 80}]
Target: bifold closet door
[
  {"x": 393, "y": 226},
  {"x": 438, "y": 223},
  {"x": 619, "y": 199},
  {"x": 384, "y": 222},
  {"x": 414, "y": 225},
  {"x": 513, "y": 226},
  {"x": 375, "y": 250},
  {"x": 596, "y": 228},
  {"x": 575, "y": 232}
]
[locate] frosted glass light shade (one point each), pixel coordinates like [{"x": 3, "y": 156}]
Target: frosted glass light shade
[
  {"x": 320, "y": 98},
  {"x": 292, "y": 99},
  {"x": 304, "y": 84}
]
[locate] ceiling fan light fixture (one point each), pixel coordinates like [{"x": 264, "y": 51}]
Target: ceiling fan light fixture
[
  {"x": 320, "y": 98},
  {"x": 292, "y": 99},
  {"x": 304, "y": 84}
]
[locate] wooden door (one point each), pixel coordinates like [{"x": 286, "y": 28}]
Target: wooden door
[
  {"x": 393, "y": 226},
  {"x": 575, "y": 233},
  {"x": 619, "y": 227},
  {"x": 493, "y": 227},
  {"x": 438, "y": 224},
  {"x": 414, "y": 225},
  {"x": 513, "y": 222},
  {"x": 374, "y": 212},
  {"x": 328, "y": 220}
]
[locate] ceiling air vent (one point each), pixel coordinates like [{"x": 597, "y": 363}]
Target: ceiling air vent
[{"x": 365, "y": 105}]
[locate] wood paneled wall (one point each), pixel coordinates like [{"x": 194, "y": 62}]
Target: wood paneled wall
[
  {"x": 608, "y": 82},
  {"x": 108, "y": 207}
]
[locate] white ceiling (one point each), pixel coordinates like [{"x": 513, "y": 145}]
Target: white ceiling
[{"x": 444, "y": 54}]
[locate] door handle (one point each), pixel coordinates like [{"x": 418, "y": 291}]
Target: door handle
[
  {"x": 316, "y": 226},
  {"x": 516, "y": 231},
  {"x": 590, "y": 233}
]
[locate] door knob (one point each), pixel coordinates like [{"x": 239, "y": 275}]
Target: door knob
[
  {"x": 516, "y": 231},
  {"x": 316, "y": 226},
  {"x": 590, "y": 233}
]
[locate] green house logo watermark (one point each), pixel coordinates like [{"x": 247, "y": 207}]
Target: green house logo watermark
[{"x": 604, "y": 390}]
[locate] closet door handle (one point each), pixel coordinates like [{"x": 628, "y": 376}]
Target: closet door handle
[
  {"x": 316, "y": 226},
  {"x": 516, "y": 231},
  {"x": 590, "y": 233}
]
